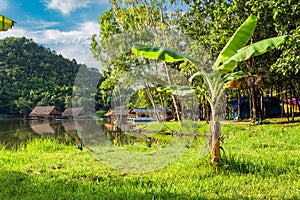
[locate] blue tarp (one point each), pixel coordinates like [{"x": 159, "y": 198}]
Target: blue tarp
[{"x": 271, "y": 107}]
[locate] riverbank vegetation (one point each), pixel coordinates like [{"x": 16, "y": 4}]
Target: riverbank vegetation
[{"x": 261, "y": 162}]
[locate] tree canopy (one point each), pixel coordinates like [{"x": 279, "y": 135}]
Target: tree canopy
[
  {"x": 210, "y": 24},
  {"x": 32, "y": 75}
]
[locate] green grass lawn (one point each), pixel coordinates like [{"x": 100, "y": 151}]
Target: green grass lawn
[{"x": 263, "y": 162}]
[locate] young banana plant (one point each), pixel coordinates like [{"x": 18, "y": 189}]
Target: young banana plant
[{"x": 222, "y": 70}]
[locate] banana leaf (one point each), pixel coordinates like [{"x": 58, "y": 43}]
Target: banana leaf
[
  {"x": 232, "y": 76},
  {"x": 250, "y": 51},
  {"x": 179, "y": 90},
  {"x": 160, "y": 53},
  {"x": 238, "y": 40},
  {"x": 5, "y": 23}
]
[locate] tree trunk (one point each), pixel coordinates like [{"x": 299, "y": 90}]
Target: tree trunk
[
  {"x": 287, "y": 105},
  {"x": 250, "y": 104},
  {"x": 215, "y": 130},
  {"x": 252, "y": 96},
  {"x": 173, "y": 96},
  {"x": 261, "y": 106},
  {"x": 152, "y": 102},
  {"x": 296, "y": 95},
  {"x": 207, "y": 113},
  {"x": 292, "y": 103},
  {"x": 161, "y": 100},
  {"x": 176, "y": 108},
  {"x": 281, "y": 96},
  {"x": 239, "y": 104}
]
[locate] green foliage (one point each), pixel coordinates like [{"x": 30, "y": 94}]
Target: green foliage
[
  {"x": 164, "y": 54},
  {"x": 178, "y": 90},
  {"x": 280, "y": 18},
  {"x": 142, "y": 100},
  {"x": 239, "y": 39},
  {"x": 33, "y": 75},
  {"x": 233, "y": 52},
  {"x": 212, "y": 23},
  {"x": 249, "y": 51},
  {"x": 120, "y": 26}
]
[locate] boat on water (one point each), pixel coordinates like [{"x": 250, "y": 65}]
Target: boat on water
[{"x": 142, "y": 120}]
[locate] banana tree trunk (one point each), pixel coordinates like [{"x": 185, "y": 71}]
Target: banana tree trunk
[{"x": 215, "y": 130}]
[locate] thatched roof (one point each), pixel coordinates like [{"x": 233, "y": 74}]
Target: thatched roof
[
  {"x": 73, "y": 112},
  {"x": 42, "y": 111},
  {"x": 243, "y": 81}
]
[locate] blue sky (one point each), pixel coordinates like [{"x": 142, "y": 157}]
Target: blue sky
[{"x": 65, "y": 26}]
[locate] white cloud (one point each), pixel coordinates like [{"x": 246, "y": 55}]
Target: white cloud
[
  {"x": 80, "y": 35},
  {"x": 38, "y": 24},
  {"x": 66, "y": 6},
  {"x": 3, "y": 5}
]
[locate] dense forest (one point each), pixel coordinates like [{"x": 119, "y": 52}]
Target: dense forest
[
  {"x": 209, "y": 24},
  {"x": 32, "y": 75}
]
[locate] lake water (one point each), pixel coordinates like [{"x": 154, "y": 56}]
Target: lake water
[
  {"x": 133, "y": 150},
  {"x": 15, "y": 131},
  {"x": 87, "y": 131}
]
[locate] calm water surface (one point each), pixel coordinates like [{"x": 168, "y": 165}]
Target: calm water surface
[
  {"x": 15, "y": 131},
  {"x": 89, "y": 132}
]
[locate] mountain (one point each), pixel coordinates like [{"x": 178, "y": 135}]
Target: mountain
[{"x": 32, "y": 75}]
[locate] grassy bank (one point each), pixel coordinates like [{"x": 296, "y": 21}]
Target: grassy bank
[{"x": 262, "y": 162}]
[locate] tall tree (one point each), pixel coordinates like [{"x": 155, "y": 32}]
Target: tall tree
[{"x": 127, "y": 22}]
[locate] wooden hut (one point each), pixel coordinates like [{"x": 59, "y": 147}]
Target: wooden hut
[
  {"x": 141, "y": 113},
  {"x": 73, "y": 112},
  {"x": 44, "y": 112}
]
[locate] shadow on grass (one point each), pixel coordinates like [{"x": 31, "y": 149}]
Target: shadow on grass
[
  {"x": 18, "y": 185},
  {"x": 245, "y": 165},
  {"x": 280, "y": 120}
]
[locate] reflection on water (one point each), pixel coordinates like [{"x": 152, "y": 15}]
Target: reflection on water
[
  {"x": 89, "y": 132},
  {"x": 131, "y": 150},
  {"x": 15, "y": 131}
]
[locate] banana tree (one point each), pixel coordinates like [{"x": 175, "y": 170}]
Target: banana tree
[
  {"x": 5, "y": 23},
  {"x": 222, "y": 70}
]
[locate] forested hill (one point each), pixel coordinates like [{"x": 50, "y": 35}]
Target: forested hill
[{"x": 32, "y": 75}]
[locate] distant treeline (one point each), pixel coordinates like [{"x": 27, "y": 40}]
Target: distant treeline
[{"x": 32, "y": 75}]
